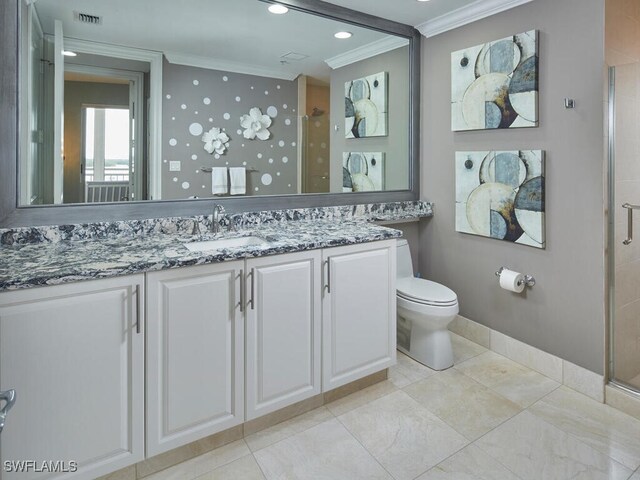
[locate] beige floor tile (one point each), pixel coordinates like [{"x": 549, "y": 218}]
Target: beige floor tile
[
  {"x": 605, "y": 429},
  {"x": 327, "y": 451},
  {"x": 469, "y": 407},
  {"x": 470, "y": 463},
  {"x": 407, "y": 371},
  {"x": 245, "y": 468},
  {"x": 636, "y": 476},
  {"x": 357, "y": 399},
  {"x": 182, "y": 471},
  {"x": 402, "y": 435},
  {"x": 464, "y": 349},
  {"x": 519, "y": 384},
  {"x": 534, "y": 449},
  {"x": 283, "y": 430}
]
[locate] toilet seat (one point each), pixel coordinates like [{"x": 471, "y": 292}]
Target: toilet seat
[{"x": 425, "y": 292}]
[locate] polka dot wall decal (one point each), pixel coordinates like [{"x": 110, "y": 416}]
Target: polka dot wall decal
[
  {"x": 206, "y": 101},
  {"x": 196, "y": 83},
  {"x": 217, "y": 156},
  {"x": 173, "y": 142},
  {"x": 318, "y": 124},
  {"x": 226, "y": 163},
  {"x": 210, "y": 119},
  {"x": 252, "y": 88},
  {"x": 281, "y": 143},
  {"x": 196, "y": 112},
  {"x": 285, "y": 106},
  {"x": 204, "y": 186},
  {"x": 293, "y": 110},
  {"x": 194, "y": 157},
  {"x": 271, "y": 160},
  {"x": 242, "y": 145},
  {"x": 238, "y": 99},
  {"x": 320, "y": 160},
  {"x": 188, "y": 144},
  {"x": 266, "y": 92},
  {"x": 196, "y": 129},
  {"x": 168, "y": 97},
  {"x": 183, "y": 106},
  {"x": 278, "y": 87},
  {"x": 289, "y": 185},
  {"x": 278, "y": 173},
  {"x": 239, "y": 132},
  {"x": 197, "y": 171},
  {"x": 285, "y": 159},
  {"x": 175, "y": 179},
  {"x": 272, "y": 111},
  {"x": 173, "y": 118},
  {"x": 244, "y": 163},
  {"x": 287, "y": 121},
  {"x": 185, "y": 185},
  {"x": 225, "y": 79},
  {"x": 165, "y": 160},
  {"x": 311, "y": 145},
  {"x": 259, "y": 155},
  {"x": 226, "y": 116},
  {"x": 323, "y": 145},
  {"x": 293, "y": 144},
  {"x": 257, "y": 189}
]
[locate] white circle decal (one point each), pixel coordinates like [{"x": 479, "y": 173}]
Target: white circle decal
[
  {"x": 185, "y": 185},
  {"x": 206, "y": 101},
  {"x": 226, "y": 116},
  {"x": 272, "y": 111},
  {"x": 173, "y": 142},
  {"x": 195, "y": 129}
]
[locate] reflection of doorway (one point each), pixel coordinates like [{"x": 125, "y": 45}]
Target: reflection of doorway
[{"x": 102, "y": 161}]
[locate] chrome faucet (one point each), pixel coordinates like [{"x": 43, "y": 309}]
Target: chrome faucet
[{"x": 218, "y": 211}]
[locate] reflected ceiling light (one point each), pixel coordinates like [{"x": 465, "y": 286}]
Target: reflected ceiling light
[
  {"x": 343, "y": 35},
  {"x": 278, "y": 9},
  {"x": 69, "y": 53}
]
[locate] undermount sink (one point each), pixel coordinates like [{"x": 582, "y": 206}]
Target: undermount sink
[{"x": 225, "y": 243}]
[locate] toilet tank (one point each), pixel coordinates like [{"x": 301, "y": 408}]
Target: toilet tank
[{"x": 404, "y": 263}]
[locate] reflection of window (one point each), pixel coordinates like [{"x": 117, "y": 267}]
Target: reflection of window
[{"x": 106, "y": 144}]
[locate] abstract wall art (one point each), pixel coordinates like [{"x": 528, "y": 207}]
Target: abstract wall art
[
  {"x": 495, "y": 85},
  {"x": 500, "y": 194},
  {"x": 366, "y": 106},
  {"x": 362, "y": 171}
]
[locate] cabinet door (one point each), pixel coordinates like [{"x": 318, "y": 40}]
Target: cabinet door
[
  {"x": 195, "y": 354},
  {"x": 75, "y": 357},
  {"x": 283, "y": 331},
  {"x": 358, "y": 311}
]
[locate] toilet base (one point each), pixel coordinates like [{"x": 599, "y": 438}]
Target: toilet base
[{"x": 432, "y": 348}]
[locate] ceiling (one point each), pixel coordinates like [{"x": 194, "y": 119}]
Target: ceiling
[{"x": 409, "y": 12}]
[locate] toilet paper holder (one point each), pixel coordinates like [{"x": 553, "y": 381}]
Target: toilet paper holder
[{"x": 529, "y": 281}]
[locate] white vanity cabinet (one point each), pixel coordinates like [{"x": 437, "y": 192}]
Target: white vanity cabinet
[
  {"x": 75, "y": 356},
  {"x": 195, "y": 354},
  {"x": 283, "y": 331},
  {"x": 358, "y": 311}
]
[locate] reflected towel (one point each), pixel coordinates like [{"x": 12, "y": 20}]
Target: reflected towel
[
  {"x": 238, "y": 180},
  {"x": 219, "y": 181}
]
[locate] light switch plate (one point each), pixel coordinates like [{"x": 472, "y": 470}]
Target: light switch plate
[{"x": 174, "y": 166}]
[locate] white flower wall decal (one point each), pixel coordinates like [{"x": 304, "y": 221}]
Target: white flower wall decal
[
  {"x": 215, "y": 141},
  {"x": 256, "y": 125}
]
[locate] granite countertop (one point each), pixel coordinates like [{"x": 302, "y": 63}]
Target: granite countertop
[{"x": 38, "y": 264}]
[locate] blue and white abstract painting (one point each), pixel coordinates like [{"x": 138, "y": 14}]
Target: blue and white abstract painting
[
  {"x": 495, "y": 85},
  {"x": 500, "y": 194}
]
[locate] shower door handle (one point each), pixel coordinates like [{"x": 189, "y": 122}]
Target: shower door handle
[{"x": 630, "y": 208}]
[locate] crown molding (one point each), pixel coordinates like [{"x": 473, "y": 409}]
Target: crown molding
[
  {"x": 227, "y": 66},
  {"x": 462, "y": 16},
  {"x": 369, "y": 50}
]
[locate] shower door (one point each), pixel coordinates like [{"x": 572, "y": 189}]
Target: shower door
[{"x": 624, "y": 218}]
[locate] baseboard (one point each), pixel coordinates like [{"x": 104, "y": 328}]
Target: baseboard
[
  {"x": 573, "y": 376},
  {"x": 623, "y": 400}
]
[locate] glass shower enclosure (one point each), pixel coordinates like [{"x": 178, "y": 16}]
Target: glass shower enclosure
[{"x": 624, "y": 217}]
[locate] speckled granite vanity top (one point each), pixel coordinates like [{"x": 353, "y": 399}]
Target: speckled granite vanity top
[{"x": 37, "y": 257}]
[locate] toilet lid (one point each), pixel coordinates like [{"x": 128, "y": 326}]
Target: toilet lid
[{"x": 425, "y": 291}]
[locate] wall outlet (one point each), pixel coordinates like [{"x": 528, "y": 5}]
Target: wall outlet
[{"x": 174, "y": 166}]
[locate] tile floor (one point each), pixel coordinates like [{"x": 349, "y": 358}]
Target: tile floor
[{"x": 486, "y": 418}]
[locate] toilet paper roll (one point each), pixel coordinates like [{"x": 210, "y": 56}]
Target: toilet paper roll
[{"x": 512, "y": 281}]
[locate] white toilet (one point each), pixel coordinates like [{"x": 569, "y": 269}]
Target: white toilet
[{"x": 425, "y": 309}]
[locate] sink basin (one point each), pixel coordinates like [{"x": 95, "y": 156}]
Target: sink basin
[{"x": 225, "y": 243}]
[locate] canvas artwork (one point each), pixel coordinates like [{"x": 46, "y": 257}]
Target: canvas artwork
[
  {"x": 366, "y": 106},
  {"x": 495, "y": 85},
  {"x": 362, "y": 171},
  {"x": 501, "y": 195}
]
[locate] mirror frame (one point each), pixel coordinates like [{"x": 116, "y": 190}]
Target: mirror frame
[{"x": 14, "y": 215}]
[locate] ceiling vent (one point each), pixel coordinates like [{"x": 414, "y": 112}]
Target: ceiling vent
[{"x": 87, "y": 18}]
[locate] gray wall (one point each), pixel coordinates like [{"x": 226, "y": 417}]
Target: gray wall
[
  {"x": 179, "y": 89},
  {"x": 396, "y": 144},
  {"x": 564, "y": 313}
]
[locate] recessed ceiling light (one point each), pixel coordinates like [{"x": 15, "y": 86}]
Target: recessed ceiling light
[
  {"x": 343, "y": 35},
  {"x": 69, "y": 53},
  {"x": 423, "y": 0},
  {"x": 278, "y": 9}
]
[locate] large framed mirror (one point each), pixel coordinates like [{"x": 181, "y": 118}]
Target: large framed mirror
[{"x": 134, "y": 108}]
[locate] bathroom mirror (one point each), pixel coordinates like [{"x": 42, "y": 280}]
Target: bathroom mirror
[{"x": 133, "y": 100}]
